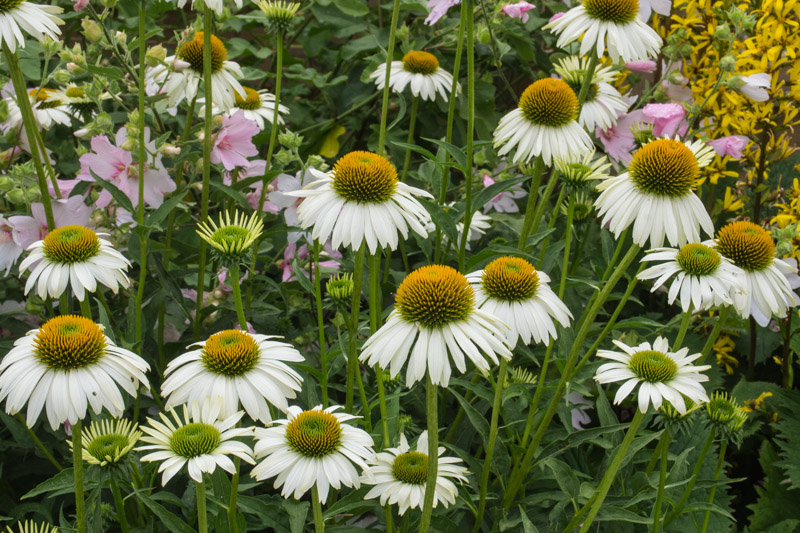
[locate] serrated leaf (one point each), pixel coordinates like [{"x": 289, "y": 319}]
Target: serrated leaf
[{"x": 168, "y": 519}]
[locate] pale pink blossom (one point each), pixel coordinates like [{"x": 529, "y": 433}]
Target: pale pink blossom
[
  {"x": 255, "y": 168},
  {"x": 518, "y": 10},
  {"x": 438, "y": 9},
  {"x": 618, "y": 140},
  {"x": 646, "y": 66},
  {"x": 80, "y": 5},
  {"x": 233, "y": 143},
  {"x": 556, "y": 17},
  {"x": 731, "y": 146},
  {"x": 667, "y": 119},
  {"x": 9, "y": 249},
  {"x": 26, "y": 230},
  {"x": 755, "y": 86},
  {"x": 302, "y": 253},
  {"x": 579, "y": 415},
  {"x": 504, "y": 201},
  {"x": 285, "y": 183}
]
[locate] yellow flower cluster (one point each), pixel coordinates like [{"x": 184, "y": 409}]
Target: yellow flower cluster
[{"x": 723, "y": 347}]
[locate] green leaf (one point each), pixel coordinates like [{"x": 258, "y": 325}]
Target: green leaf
[
  {"x": 527, "y": 525},
  {"x": 172, "y": 522},
  {"x": 63, "y": 481},
  {"x": 238, "y": 197},
  {"x": 120, "y": 197},
  {"x": 441, "y": 218},
  {"x": 354, "y": 8},
  {"x": 298, "y": 511},
  {"x": 486, "y": 194},
  {"x": 476, "y": 419},
  {"x": 156, "y": 217},
  {"x": 457, "y": 153}
]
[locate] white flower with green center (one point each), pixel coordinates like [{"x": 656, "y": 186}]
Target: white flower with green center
[
  {"x": 511, "y": 289},
  {"x": 421, "y": 72},
  {"x": 361, "y": 201},
  {"x": 603, "y": 102},
  {"x": 726, "y": 414},
  {"x": 49, "y": 108},
  {"x": 657, "y": 195},
  {"x": 244, "y": 368},
  {"x": 74, "y": 256},
  {"x": 700, "y": 275},
  {"x": 198, "y": 440},
  {"x": 399, "y": 475},
  {"x": 182, "y": 74},
  {"x": 312, "y": 448},
  {"x": 258, "y": 106},
  {"x": 478, "y": 226},
  {"x": 580, "y": 172},
  {"x": 108, "y": 442},
  {"x": 279, "y": 13},
  {"x": 769, "y": 281},
  {"x": 65, "y": 366},
  {"x": 435, "y": 318},
  {"x": 661, "y": 374},
  {"x": 612, "y": 24},
  {"x": 215, "y": 5},
  {"x": 32, "y": 527},
  {"x": 38, "y": 21},
  {"x": 232, "y": 237},
  {"x": 544, "y": 124}
]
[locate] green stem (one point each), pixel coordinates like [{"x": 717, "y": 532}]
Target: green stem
[
  {"x": 29, "y": 123},
  {"x": 567, "y": 240},
  {"x": 86, "y": 308},
  {"x": 715, "y": 331},
  {"x": 40, "y": 444},
  {"x": 77, "y": 469},
  {"x": 208, "y": 22},
  {"x": 615, "y": 256},
  {"x": 676, "y": 511},
  {"x": 534, "y": 405},
  {"x": 233, "y": 270},
  {"x": 662, "y": 479},
  {"x": 374, "y": 322},
  {"x": 532, "y": 213},
  {"x": 487, "y": 462},
  {"x": 387, "y": 77},
  {"x": 611, "y": 472},
  {"x": 410, "y": 140},
  {"x": 686, "y": 317},
  {"x": 323, "y": 351},
  {"x": 319, "y": 524},
  {"x": 432, "y": 408},
  {"x": 586, "y": 322},
  {"x": 651, "y": 464},
  {"x": 142, "y": 163},
  {"x": 200, "y": 488},
  {"x": 551, "y": 225},
  {"x": 720, "y": 463},
  {"x": 587, "y": 80},
  {"x": 119, "y": 503},
  {"x": 469, "y": 23},
  {"x": 355, "y": 310},
  {"x": 233, "y": 521}
]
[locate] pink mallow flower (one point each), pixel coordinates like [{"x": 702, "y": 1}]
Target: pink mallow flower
[
  {"x": 292, "y": 251},
  {"x": 9, "y": 250},
  {"x": 731, "y": 146},
  {"x": 233, "y": 143},
  {"x": 667, "y": 119},
  {"x": 646, "y": 66},
  {"x": 80, "y": 5},
  {"x": 438, "y": 9},
  {"x": 518, "y": 10},
  {"x": 504, "y": 201},
  {"x": 618, "y": 140},
  {"x": 556, "y": 17},
  {"x": 26, "y": 230},
  {"x": 286, "y": 183},
  {"x": 115, "y": 164}
]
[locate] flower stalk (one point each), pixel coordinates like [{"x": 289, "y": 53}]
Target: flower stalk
[
  {"x": 119, "y": 503},
  {"x": 323, "y": 350},
  {"x": 662, "y": 479},
  {"x": 202, "y": 515},
  {"x": 469, "y": 29},
  {"x": 412, "y": 123},
  {"x": 143, "y": 237},
  {"x": 432, "y": 411},
  {"x": 77, "y": 472},
  {"x": 387, "y": 78},
  {"x": 355, "y": 310},
  {"x": 687, "y": 491},
  {"x": 319, "y": 524},
  {"x": 717, "y": 472}
]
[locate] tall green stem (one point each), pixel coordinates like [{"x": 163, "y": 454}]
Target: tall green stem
[
  {"x": 432, "y": 409},
  {"x": 537, "y": 395},
  {"x": 208, "y": 23},
  {"x": 119, "y": 504},
  {"x": 233, "y": 270},
  {"x": 374, "y": 323},
  {"x": 387, "y": 77},
  {"x": 714, "y": 335},
  {"x": 487, "y": 462},
  {"x": 200, "y": 490},
  {"x": 611, "y": 472},
  {"x": 77, "y": 470},
  {"x": 233, "y": 522},
  {"x": 355, "y": 310},
  {"x": 720, "y": 463},
  {"x": 319, "y": 524},
  {"x": 323, "y": 350},
  {"x": 662, "y": 479},
  {"x": 143, "y": 237},
  {"x": 412, "y": 123},
  {"x": 686, "y": 317},
  {"x": 29, "y": 123},
  {"x": 567, "y": 240},
  {"x": 551, "y": 225},
  {"x": 468, "y": 171},
  {"x": 587, "y": 80},
  {"x": 687, "y": 491},
  {"x": 532, "y": 213},
  {"x": 40, "y": 444}
]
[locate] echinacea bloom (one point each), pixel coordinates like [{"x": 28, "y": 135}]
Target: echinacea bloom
[
  {"x": 32, "y": 527},
  {"x": 48, "y": 108},
  {"x": 185, "y": 74},
  {"x": 65, "y": 366},
  {"x": 74, "y": 256},
  {"x": 198, "y": 440},
  {"x": 668, "y": 119},
  {"x": 768, "y": 280},
  {"x": 279, "y": 13},
  {"x": 755, "y": 86},
  {"x": 702, "y": 277},
  {"x": 215, "y": 5},
  {"x": 38, "y": 21},
  {"x": 730, "y": 146},
  {"x": 503, "y": 202},
  {"x": 439, "y": 9},
  {"x": 233, "y": 143},
  {"x": 518, "y": 10},
  {"x": 545, "y": 124},
  {"x": 233, "y": 236},
  {"x": 512, "y": 290},
  {"x": 361, "y": 202},
  {"x": 258, "y": 106},
  {"x": 603, "y": 103},
  {"x": 580, "y": 173},
  {"x": 657, "y": 195},
  {"x": 71, "y": 211},
  {"x": 418, "y": 70},
  {"x": 612, "y": 24},
  {"x": 241, "y": 367},
  {"x": 399, "y": 476},
  {"x": 312, "y": 448},
  {"x": 661, "y": 374},
  {"x": 435, "y": 318},
  {"x": 107, "y": 442}
]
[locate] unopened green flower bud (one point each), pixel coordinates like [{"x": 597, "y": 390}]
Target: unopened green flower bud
[
  {"x": 279, "y": 13},
  {"x": 155, "y": 55},
  {"x": 723, "y": 32},
  {"x": 32, "y": 194},
  {"x": 129, "y": 145},
  {"x": 736, "y": 82},
  {"x": 403, "y": 32},
  {"x": 61, "y": 76},
  {"x": 6, "y": 184},
  {"x": 122, "y": 38},
  {"x": 50, "y": 47},
  {"x": 103, "y": 122},
  {"x": 16, "y": 196},
  {"x": 34, "y": 305},
  {"x": 318, "y": 162},
  {"x": 728, "y": 63},
  {"x": 340, "y": 289},
  {"x": 284, "y": 157},
  {"x": 484, "y": 37},
  {"x": 290, "y": 139},
  {"x": 91, "y": 30}
]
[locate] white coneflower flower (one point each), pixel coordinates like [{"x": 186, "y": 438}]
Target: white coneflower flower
[
  {"x": 603, "y": 102},
  {"x": 233, "y": 236},
  {"x": 107, "y": 442},
  {"x": 279, "y": 13},
  {"x": 511, "y": 289},
  {"x": 309, "y": 448},
  {"x": 66, "y": 365},
  {"x": 32, "y": 527},
  {"x": 435, "y": 315},
  {"x": 579, "y": 172},
  {"x": 418, "y": 70},
  {"x": 74, "y": 256},
  {"x": 545, "y": 123},
  {"x": 399, "y": 475},
  {"x": 361, "y": 201},
  {"x": 81, "y": 106},
  {"x": 657, "y": 196},
  {"x": 241, "y": 367},
  {"x": 198, "y": 439},
  {"x": 185, "y": 76},
  {"x": 702, "y": 277},
  {"x": 257, "y": 106},
  {"x": 766, "y": 278},
  {"x": 478, "y": 226},
  {"x": 38, "y": 21},
  {"x": 48, "y": 108},
  {"x": 663, "y": 375},
  {"x": 215, "y": 5},
  {"x": 612, "y": 24}
]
